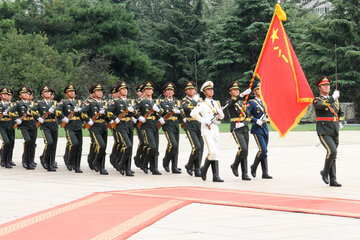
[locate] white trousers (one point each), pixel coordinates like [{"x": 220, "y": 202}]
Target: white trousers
[{"x": 211, "y": 140}]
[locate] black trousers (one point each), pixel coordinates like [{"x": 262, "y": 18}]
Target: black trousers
[
  {"x": 242, "y": 141},
  {"x": 330, "y": 143},
  {"x": 74, "y": 143},
  {"x": 7, "y": 134},
  {"x": 50, "y": 134},
  {"x": 29, "y": 133},
  {"x": 197, "y": 145}
]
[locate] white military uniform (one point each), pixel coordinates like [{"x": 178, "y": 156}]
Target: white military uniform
[{"x": 206, "y": 112}]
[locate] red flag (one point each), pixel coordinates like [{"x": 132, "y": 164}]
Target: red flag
[{"x": 284, "y": 87}]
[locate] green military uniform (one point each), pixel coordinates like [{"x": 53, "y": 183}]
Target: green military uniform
[
  {"x": 49, "y": 128},
  {"x": 124, "y": 130},
  {"x": 328, "y": 118},
  {"x": 193, "y": 132},
  {"x": 239, "y": 131},
  {"x": 98, "y": 130},
  {"x": 139, "y": 156},
  {"x": 73, "y": 129},
  {"x": 27, "y": 128},
  {"x": 150, "y": 131},
  {"x": 33, "y": 123},
  {"x": 116, "y": 149},
  {"x": 7, "y": 131},
  {"x": 171, "y": 130}
]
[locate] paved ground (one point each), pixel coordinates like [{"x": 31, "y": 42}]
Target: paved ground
[{"x": 294, "y": 161}]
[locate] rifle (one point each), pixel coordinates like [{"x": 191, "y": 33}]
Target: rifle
[
  {"x": 166, "y": 117},
  {"x": 63, "y": 124},
  {"x": 22, "y": 118},
  {"x": 87, "y": 125},
  {"x": 120, "y": 116},
  {"x": 146, "y": 115},
  {"x": 43, "y": 117}
]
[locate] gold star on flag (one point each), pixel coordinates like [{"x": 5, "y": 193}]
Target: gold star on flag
[{"x": 274, "y": 35}]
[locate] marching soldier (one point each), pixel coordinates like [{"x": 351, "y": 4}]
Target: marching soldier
[
  {"x": 124, "y": 127},
  {"x": 20, "y": 113},
  {"x": 91, "y": 155},
  {"x": 329, "y": 118},
  {"x": 7, "y": 131},
  {"x": 68, "y": 111},
  {"x": 171, "y": 127},
  {"x": 94, "y": 114},
  {"x": 116, "y": 149},
  {"x": 192, "y": 129},
  {"x": 44, "y": 113},
  {"x": 33, "y": 123},
  {"x": 260, "y": 131},
  {"x": 148, "y": 112},
  {"x": 139, "y": 157},
  {"x": 209, "y": 114},
  {"x": 240, "y": 131}
]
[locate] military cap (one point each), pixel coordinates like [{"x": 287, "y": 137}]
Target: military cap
[
  {"x": 233, "y": 85},
  {"x": 95, "y": 87},
  {"x": 256, "y": 85},
  {"x": 121, "y": 85},
  {"x": 323, "y": 80},
  {"x": 23, "y": 89},
  {"x": 147, "y": 85},
  {"x": 168, "y": 86},
  {"x": 44, "y": 89},
  {"x": 139, "y": 87},
  {"x": 113, "y": 89},
  {"x": 69, "y": 87},
  {"x": 31, "y": 91},
  {"x": 207, "y": 85},
  {"x": 5, "y": 90},
  {"x": 189, "y": 85}
]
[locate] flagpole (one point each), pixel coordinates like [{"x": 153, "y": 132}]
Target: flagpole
[
  {"x": 256, "y": 67},
  {"x": 336, "y": 78}
]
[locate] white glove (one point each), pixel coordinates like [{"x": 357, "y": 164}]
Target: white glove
[
  {"x": 221, "y": 115},
  {"x": 134, "y": 119},
  {"x": 239, "y": 125},
  {"x": 259, "y": 122},
  {"x": 177, "y": 111},
  {"x": 206, "y": 122},
  {"x": 341, "y": 125},
  {"x": 162, "y": 121},
  {"x": 111, "y": 122},
  {"x": 196, "y": 97},
  {"x": 102, "y": 111},
  {"x": 65, "y": 119},
  {"x": 142, "y": 119},
  {"x": 336, "y": 94},
  {"x": 266, "y": 119},
  {"x": 130, "y": 109},
  {"x": 184, "y": 120},
  {"x": 18, "y": 121},
  {"x": 77, "y": 109},
  {"x": 40, "y": 120},
  {"x": 5, "y": 113},
  {"x": 28, "y": 112},
  {"x": 217, "y": 122},
  {"x": 246, "y": 92},
  {"x": 90, "y": 122},
  {"x": 51, "y": 110},
  {"x": 156, "y": 108},
  {"x": 117, "y": 120}
]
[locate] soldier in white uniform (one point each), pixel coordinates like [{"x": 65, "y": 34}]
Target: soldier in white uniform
[{"x": 208, "y": 113}]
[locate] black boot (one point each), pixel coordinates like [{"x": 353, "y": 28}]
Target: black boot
[
  {"x": 264, "y": 167},
  {"x": 204, "y": 169},
  {"x": 215, "y": 170},
  {"x": 102, "y": 166},
  {"x": 244, "y": 170},
  {"x": 234, "y": 167},
  {"x": 154, "y": 166},
  {"x": 129, "y": 173},
  {"x": 325, "y": 172},
  {"x": 2, "y": 160},
  {"x": 174, "y": 164},
  {"x": 333, "y": 182},
  {"x": 254, "y": 166},
  {"x": 50, "y": 167},
  {"x": 166, "y": 161},
  {"x": 77, "y": 163},
  {"x": 189, "y": 165},
  {"x": 43, "y": 160},
  {"x": 145, "y": 163},
  {"x": 197, "y": 165}
]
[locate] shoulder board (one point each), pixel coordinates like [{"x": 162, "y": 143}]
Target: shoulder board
[
  {"x": 79, "y": 102},
  {"x": 218, "y": 102},
  {"x": 156, "y": 101},
  {"x": 201, "y": 100},
  {"x": 55, "y": 102}
]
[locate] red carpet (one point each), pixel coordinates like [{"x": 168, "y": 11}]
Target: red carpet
[{"x": 120, "y": 214}]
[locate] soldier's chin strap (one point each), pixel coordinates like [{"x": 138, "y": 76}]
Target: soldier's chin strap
[{"x": 246, "y": 99}]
